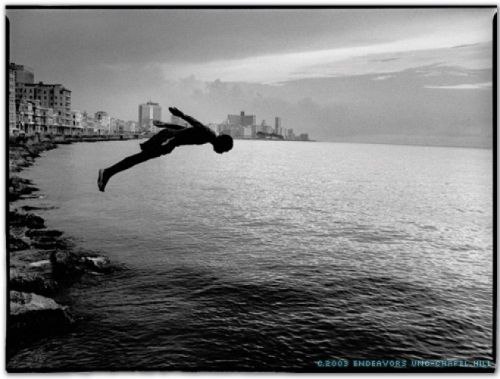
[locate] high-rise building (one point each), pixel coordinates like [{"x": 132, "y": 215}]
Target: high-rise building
[
  {"x": 277, "y": 125},
  {"x": 241, "y": 119},
  {"x": 148, "y": 113},
  {"x": 53, "y": 96},
  {"x": 47, "y": 120},
  {"x": 23, "y": 74},
  {"x": 12, "y": 101}
]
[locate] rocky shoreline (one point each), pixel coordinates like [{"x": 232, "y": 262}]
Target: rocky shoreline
[{"x": 42, "y": 262}]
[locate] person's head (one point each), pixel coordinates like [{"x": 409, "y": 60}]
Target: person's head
[{"x": 223, "y": 143}]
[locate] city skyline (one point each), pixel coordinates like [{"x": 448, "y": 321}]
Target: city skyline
[{"x": 359, "y": 74}]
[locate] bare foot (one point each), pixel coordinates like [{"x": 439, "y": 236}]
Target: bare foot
[{"x": 102, "y": 180}]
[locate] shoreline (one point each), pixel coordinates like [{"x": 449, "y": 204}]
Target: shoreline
[{"x": 42, "y": 262}]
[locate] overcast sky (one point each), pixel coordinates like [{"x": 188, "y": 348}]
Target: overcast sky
[{"x": 388, "y": 75}]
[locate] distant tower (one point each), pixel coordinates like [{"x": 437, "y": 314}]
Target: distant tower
[
  {"x": 148, "y": 113},
  {"x": 277, "y": 125}
]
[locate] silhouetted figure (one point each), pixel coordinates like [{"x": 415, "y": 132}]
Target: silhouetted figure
[{"x": 167, "y": 140}]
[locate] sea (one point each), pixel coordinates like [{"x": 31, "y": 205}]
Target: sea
[{"x": 276, "y": 256}]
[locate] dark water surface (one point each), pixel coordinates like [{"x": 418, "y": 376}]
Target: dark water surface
[{"x": 273, "y": 256}]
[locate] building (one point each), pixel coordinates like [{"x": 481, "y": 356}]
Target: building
[
  {"x": 53, "y": 96},
  {"x": 117, "y": 126},
  {"x": 241, "y": 119},
  {"x": 239, "y": 126},
  {"x": 277, "y": 125},
  {"x": 304, "y": 137},
  {"x": 264, "y": 128},
  {"x": 12, "y": 102},
  {"x": 102, "y": 122},
  {"x": 76, "y": 119},
  {"x": 148, "y": 113},
  {"x": 23, "y": 74},
  {"x": 47, "y": 120},
  {"x": 131, "y": 126},
  {"x": 25, "y": 121},
  {"x": 89, "y": 124}
]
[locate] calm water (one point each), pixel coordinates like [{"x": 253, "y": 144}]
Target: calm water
[{"x": 273, "y": 256}]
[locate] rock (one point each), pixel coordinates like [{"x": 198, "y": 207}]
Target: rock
[
  {"x": 16, "y": 244},
  {"x": 66, "y": 267},
  {"x": 34, "y": 314},
  {"x": 48, "y": 243},
  {"x": 28, "y": 220},
  {"x": 42, "y": 263},
  {"x": 99, "y": 264},
  {"x": 28, "y": 279},
  {"x": 34, "y": 222},
  {"x": 28, "y": 208},
  {"x": 36, "y": 233}
]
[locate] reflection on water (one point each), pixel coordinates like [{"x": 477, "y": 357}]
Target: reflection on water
[{"x": 274, "y": 256}]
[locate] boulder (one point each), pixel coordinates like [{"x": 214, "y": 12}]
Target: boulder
[
  {"x": 99, "y": 264},
  {"x": 66, "y": 266},
  {"x": 37, "y": 233},
  {"x": 32, "y": 314},
  {"x": 16, "y": 244},
  {"x": 29, "y": 220},
  {"x": 33, "y": 279}
]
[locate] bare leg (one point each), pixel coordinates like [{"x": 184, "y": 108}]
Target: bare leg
[
  {"x": 107, "y": 173},
  {"x": 156, "y": 141}
]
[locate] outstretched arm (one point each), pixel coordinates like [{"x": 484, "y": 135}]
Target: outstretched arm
[
  {"x": 168, "y": 126},
  {"x": 194, "y": 122}
]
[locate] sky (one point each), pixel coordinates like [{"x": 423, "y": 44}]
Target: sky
[{"x": 419, "y": 76}]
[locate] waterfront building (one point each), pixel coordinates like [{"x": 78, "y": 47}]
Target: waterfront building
[
  {"x": 25, "y": 122},
  {"x": 241, "y": 119},
  {"x": 53, "y": 96},
  {"x": 89, "y": 124},
  {"x": 23, "y": 74},
  {"x": 247, "y": 132},
  {"x": 290, "y": 135},
  {"x": 277, "y": 125},
  {"x": 37, "y": 122},
  {"x": 47, "y": 120},
  {"x": 102, "y": 122},
  {"x": 12, "y": 102},
  {"x": 304, "y": 137},
  {"x": 117, "y": 126},
  {"x": 131, "y": 126},
  {"x": 76, "y": 119},
  {"x": 264, "y": 128},
  {"x": 148, "y": 113}
]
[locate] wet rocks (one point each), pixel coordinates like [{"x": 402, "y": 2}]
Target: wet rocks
[
  {"x": 28, "y": 220},
  {"x": 42, "y": 263},
  {"x": 98, "y": 264},
  {"x": 31, "y": 314},
  {"x": 16, "y": 244},
  {"x": 19, "y": 187}
]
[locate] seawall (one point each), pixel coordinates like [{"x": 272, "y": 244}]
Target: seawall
[{"x": 42, "y": 262}]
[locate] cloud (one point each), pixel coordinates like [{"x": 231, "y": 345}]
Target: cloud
[
  {"x": 345, "y": 61},
  {"x": 486, "y": 85},
  {"x": 383, "y": 77}
]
